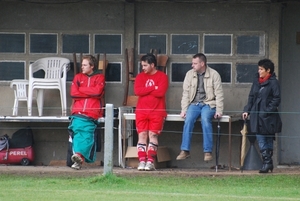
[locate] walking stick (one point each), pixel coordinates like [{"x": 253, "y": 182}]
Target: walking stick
[{"x": 218, "y": 145}]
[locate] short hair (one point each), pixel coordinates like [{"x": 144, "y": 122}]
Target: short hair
[
  {"x": 201, "y": 56},
  {"x": 267, "y": 64},
  {"x": 92, "y": 60},
  {"x": 149, "y": 58}
]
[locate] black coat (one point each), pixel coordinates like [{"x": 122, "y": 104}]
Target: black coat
[{"x": 263, "y": 102}]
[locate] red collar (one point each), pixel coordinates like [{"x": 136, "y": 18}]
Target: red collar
[{"x": 262, "y": 80}]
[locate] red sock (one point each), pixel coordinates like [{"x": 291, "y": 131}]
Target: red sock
[
  {"x": 81, "y": 156},
  {"x": 141, "y": 150},
  {"x": 152, "y": 151},
  {"x": 151, "y": 155}
]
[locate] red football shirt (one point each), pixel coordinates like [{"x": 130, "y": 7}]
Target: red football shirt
[{"x": 151, "y": 90}]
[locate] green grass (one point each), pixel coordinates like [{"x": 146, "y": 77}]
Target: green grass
[{"x": 111, "y": 187}]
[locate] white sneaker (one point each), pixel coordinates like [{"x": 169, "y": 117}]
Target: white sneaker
[
  {"x": 141, "y": 166},
  {"x": 76, "y": 158},
  {"x": 76, "y": 166},
  {"x": 149, "y": 166}
]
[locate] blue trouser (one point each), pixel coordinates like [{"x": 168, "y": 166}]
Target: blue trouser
[
  {"x": 193, "y": 113},
  {"x": 82, "y": 130},
  {"x": 264, "y": 141}
]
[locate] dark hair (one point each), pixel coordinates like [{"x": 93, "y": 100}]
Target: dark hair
[
  {"x": 149, "y": 58},
  {"x": 92, "y": 60},
  {"x": 201, "y": 56},
  {"x": 267, "y": 64}
]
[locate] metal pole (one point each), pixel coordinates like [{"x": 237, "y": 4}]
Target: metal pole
[
  {"x": 218, "y": 146},
  {"x": 108, "y": 139}
]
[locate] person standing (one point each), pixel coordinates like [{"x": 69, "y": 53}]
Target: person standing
[
  {"x": 150, "y": 86},
  {"x": 263, "y": 101},
  {"x": 87, "y": 90},
  {"x": 202, "y": 97}
]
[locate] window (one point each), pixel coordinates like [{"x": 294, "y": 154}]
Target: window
[
  {"x": 12, "y": 70},
  {"x": 185, "y": 44},
  {"x": 109, "y": 44},
  {"x": 250, "y": 45},
  {"x": 43, "y": 43},
  {"x": 75, "y": 43},
  {"x": 245, "y": 72},
  {"x": 12, "y": 43},
  {"x": 113, "y": 72},
  {"x": 149, "y": 42},
  {"x": 224, "y": 69},
  {"x": 70, "y": 73},
  {"x": 217, "y": 44},
  {"x": 178, "y": 71}
]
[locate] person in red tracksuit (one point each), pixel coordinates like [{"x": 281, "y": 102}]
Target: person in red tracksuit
[
  {"x": 150, "y": 86},
  {"x": 86, "y": 91}
]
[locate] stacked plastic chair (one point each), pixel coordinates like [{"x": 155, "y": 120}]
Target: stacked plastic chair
[{"x": 55, "y": 76}]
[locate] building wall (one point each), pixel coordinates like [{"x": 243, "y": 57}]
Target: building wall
[
  {"x": 289, "y": 65},
  {"x": 131, "y": 20},
  {"x": 83, "y": 18}
]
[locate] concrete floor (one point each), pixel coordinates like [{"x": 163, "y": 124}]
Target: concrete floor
[{"x": 95, "y": 170}]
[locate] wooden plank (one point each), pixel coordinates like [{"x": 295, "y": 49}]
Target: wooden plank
[
  {"x": 38, "y": 119},
  {"x": 176, "y": 117}
]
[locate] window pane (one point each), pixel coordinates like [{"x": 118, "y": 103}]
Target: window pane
[
  {"x": 12, "y": 43},
  {"x": 43, "y": 43},
  {"x": 217, "y": 44},
  {"x": 113, "y": 72},
  {"x": 248, "y": 44},
  {"x": 179, "y": 70},
  {"x": 185, "y": 44},
  {"x": 12, "y": 70},
  {"x": 223, "y": 69},
  {"x": 148, "y": 42},
  {"x": 75, "y": 43},
  {"x": 109, "y": 44},
  {"x": 245, "y": 72},
  {"x": 70, "y": 73}
]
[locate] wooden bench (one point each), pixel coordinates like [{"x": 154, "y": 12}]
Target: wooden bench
[
  {"x": 126, "y": 117},
  {"x": 37, "y": 119},
  {"x": 64, "y": 119},
  {"x": 125, "y": 133}
]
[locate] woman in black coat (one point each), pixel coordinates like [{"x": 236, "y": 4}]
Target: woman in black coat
[{"x": 263, "y": 101}]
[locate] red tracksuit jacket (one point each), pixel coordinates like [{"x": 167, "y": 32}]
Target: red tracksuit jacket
[{"x": 87, "y": 92}]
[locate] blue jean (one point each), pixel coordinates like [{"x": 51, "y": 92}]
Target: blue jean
[
  {"x": 264, "y": 141},
  {"x": 193, "y": 113}
]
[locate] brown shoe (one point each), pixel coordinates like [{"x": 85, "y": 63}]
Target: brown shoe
[
  {"x": 183, "y": 155},
  {"x": 207, "y": 156}
]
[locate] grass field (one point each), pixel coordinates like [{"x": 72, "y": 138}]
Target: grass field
[{"x": 141, "y": 187}]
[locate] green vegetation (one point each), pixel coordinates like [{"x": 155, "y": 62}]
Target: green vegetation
[{"x": 158, "y": 187}]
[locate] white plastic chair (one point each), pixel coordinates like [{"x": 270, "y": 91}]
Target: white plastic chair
[
  {"x": 55, "y": 69},
  {"x": 20, "y": 91}
]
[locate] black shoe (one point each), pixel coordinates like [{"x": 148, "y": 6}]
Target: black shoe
[
  {"x": 267, "y": 161},
  {"x": 266, "y": 167}
]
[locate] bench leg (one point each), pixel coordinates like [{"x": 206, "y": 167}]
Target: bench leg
[{"x": 15, "y": 108}]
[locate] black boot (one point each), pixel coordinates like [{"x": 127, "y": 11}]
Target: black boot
[{"x": 267, "y": 161}]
